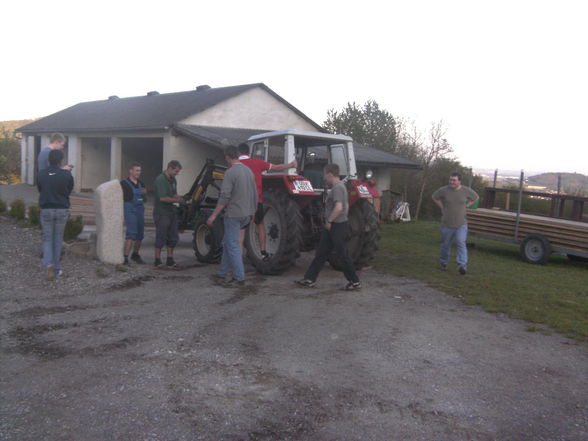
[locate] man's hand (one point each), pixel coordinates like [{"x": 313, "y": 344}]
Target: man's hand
[
  {"x": 211, "y": 220},
  {"x": 68, "y": 167},
  {"x": 293, "y": 164},
  {"x": 328, "y": 225}
]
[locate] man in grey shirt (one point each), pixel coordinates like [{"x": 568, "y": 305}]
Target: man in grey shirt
[
  {"x": 56, "y": 142},
  {"x": 334, "y": 234},
  {"x": 238, "y": 198},
  {"x": 453, "y": 200}
]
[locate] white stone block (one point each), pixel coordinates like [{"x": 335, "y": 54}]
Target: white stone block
[{"x": 109, "y": 222}]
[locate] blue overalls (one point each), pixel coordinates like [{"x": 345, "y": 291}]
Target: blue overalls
[{"x": 135, "y": 213}]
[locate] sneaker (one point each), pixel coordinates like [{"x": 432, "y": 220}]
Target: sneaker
[
  {"x": 171, "y": 263},
  {"x": 443, "y": 266},
  {"x": 352, "y": 286},
  {"x": 59, "y": 273},
  {"x": 306, "y": 282},
  {"x": 462, "y": 270},
  {"x": 234, "y": 282},
  {"x": 158, "y": 263},
  {"x": 137, "y": 259},
  {"x": 50, "y": 273}
]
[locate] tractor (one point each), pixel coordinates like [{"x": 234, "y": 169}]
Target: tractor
[{"x": 293, "y": 202}]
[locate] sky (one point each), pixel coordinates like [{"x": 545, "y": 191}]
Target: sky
[{"x": 507, "y": 78}]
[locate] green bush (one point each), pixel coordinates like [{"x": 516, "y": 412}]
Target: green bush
[
  {"x": 34, "y": 214},
  {"x": 17, "y": 209},
  {"x": 73, "y": 228},
  {"x": 2, "y": 206}
]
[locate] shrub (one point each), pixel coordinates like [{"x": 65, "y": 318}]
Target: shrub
[
  {"x": 73, "y": 228},
  {"x": 34, "y": 214},
  {"x": 2, "y": 206},
  {"x": 17, "y": 209}
]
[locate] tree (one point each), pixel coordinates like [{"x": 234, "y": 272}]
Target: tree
[
  {"x": 437, "y": 147},
  {"x": 9, "y": 158},
  {"x": 368, "y": 125}
]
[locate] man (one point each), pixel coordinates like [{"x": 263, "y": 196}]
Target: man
[
  {"x": 55, "y": 185},
  {"x": 238, "y": 197},
  {"x": 56, "y": 142},
  {"x": 134, "y": 211},
  {"x": 334, "y": 233},
  {"x": 453, "y": 199},
  {"x": 258, "y": 166},
  {"x": 165, "y": 215}
]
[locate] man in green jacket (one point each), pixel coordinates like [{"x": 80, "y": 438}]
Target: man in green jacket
[{"x": 164, "y": 213}]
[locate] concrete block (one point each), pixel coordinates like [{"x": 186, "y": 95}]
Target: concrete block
[{"x": 109, "y": 222}]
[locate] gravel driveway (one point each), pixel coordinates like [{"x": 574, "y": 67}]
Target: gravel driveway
[{"x": 165, "y": 355}]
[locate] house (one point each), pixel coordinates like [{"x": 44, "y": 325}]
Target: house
[{"x": 104, "y": 137}]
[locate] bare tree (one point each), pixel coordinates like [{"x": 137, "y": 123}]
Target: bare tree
[{"x": 435, "y": 148}]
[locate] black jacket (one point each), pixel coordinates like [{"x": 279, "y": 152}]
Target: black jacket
[{"x": 55, "y": 186}]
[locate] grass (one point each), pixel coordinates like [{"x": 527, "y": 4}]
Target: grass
[{"x": 555, "y": 294}]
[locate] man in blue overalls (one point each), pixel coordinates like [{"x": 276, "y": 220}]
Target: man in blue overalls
[{"x": 134, "y": 210}]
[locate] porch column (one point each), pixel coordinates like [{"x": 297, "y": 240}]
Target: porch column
[
  {"x": 115, "y": 157},
  {"x": 31, "y": 160},
  {"x": 74, "y": 157},
  {"x": 23, "y": 159}
]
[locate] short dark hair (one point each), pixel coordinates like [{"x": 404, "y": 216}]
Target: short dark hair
[
  {"x": 332, "y": 169},
  {"x": 174, "y": 164},
  {"x": 232, "y": 152},
  {"x": 456, "y": 175},
  {"x": 56, "y": 137},
  {"x": 55, "y": 157},
  {"x": 243, "y": 148},
  {"x": 135, "y": 164}
]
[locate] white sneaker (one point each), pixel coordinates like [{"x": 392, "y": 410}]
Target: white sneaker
[{"x": 59, "y": 273}]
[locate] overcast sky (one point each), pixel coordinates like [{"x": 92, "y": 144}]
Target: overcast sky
[{"x": 509, "y": 78}]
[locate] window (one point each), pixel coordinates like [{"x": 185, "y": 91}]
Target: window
[{"x": 339, "y": 157}]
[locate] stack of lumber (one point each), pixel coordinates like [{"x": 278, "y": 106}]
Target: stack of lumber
[
  {"x": 562, "y": 234},
  {"x": 84, "y": 206}
]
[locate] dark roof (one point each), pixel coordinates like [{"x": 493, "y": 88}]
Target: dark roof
[
  {"x": 147, "y": 112},
  {"x": 223, "y": 136}
]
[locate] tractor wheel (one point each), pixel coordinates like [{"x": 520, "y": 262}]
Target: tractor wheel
[
  {"x": 207, "y": 242},
  {"x": 364, "y": 235},
  {"x": 283, "y": 230},
  {"x": 535, "y": 249}
]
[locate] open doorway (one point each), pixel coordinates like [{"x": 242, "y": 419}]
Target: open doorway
[{"x": 146, "y": 151}]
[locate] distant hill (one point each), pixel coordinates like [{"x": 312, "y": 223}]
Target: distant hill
[
  {"x": 11, "y": 126},
  {"x": 571, "y": 183}
]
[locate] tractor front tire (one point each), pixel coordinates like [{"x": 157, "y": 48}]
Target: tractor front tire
[
  {"x": 364, "y": 235},
  {"x": 283, "y": 231}
]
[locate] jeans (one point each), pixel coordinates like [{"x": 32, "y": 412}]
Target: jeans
[
  {"x": 53, "y": 222},
  {"x": 231, "y": 258},
  {"x": 333, "y": 239},
  {"x": 460, "y": 234}
]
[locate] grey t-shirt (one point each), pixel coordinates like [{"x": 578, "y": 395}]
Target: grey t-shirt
[
  {"x": 454, "y": 204},
  {"x": 239, "y": 192},
  {"x": 43, "y": 159},
  {"x": 337, "y": 194}
]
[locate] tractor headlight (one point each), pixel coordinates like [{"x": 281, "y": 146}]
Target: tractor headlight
[{"x": 369, "y": 174}]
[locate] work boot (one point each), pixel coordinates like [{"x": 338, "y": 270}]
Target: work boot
[
  {"x": 137, "y": 259},
  {"x": 462, "y": 270}
]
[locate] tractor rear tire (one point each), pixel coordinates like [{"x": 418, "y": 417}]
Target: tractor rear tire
[
  {"x": 207, "y": 242},
  {"x": 364, "y": 235},
  {"x": 283, "y": 226}
]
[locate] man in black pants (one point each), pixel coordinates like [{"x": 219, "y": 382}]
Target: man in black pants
[{"x": 334, "y": 233}]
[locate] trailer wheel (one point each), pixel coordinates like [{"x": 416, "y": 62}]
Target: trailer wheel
[
  {"x": 207, "y": 242},
  {"x": 536, "y": 249}
]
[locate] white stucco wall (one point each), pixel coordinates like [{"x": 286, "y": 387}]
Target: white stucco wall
[
  {"x": 95, "y": 162},
  {"x": 192, "y": 155},
  {"x": 254, "y": 109}
]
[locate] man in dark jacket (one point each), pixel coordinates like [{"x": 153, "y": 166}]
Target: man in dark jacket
[{"x": 55, "y": 185}]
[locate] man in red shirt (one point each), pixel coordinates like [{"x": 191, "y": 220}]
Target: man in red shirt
[{"x": 258, "y": 166}]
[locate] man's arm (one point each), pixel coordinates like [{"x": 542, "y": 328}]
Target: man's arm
[
  {"x": 337, "y": 210},
  {"x": 224, "y": 198},
  {"x": 438, "y": 203},
  {"x": 282, "y": 167},
  {"x": 473, "y": 198}
]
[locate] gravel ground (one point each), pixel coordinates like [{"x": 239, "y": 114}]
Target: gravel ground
[{"x": 166, "y": 355}]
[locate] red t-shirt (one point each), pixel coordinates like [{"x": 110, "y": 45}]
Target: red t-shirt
[{"x": 257, "y": 166}]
